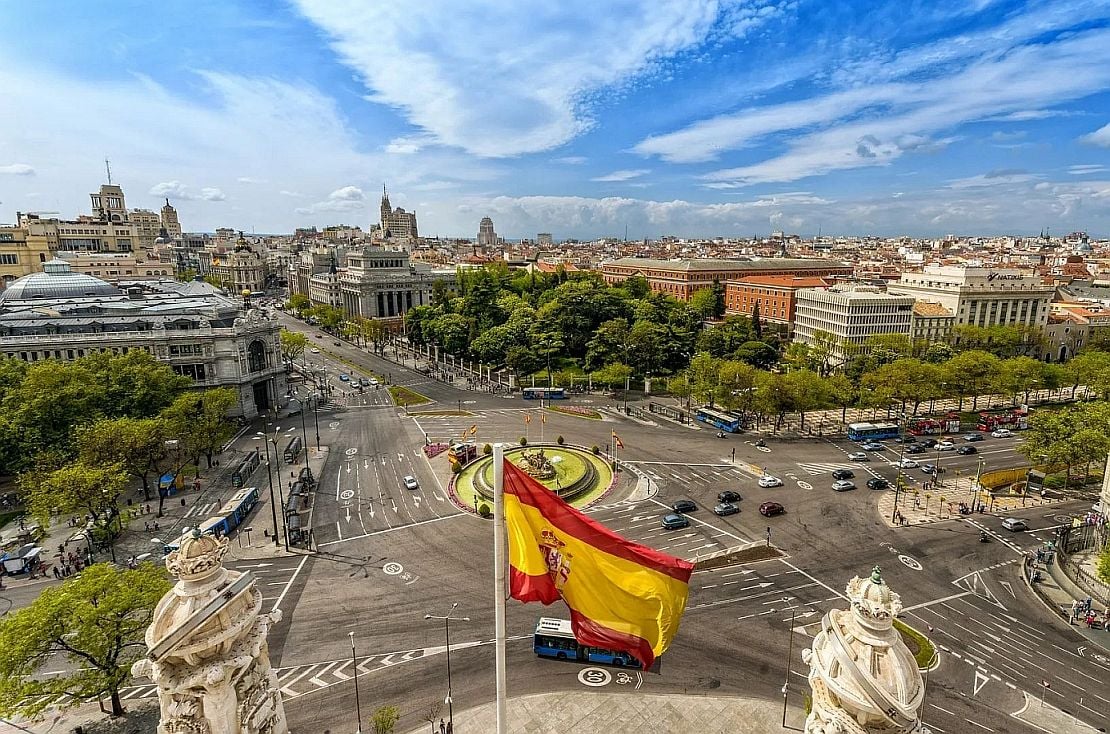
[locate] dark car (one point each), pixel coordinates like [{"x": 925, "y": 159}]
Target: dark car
[
  {"x": 908, "y": 438},
  {"x": 878, "y": 483},
  {"x": 927, "y": 442},
  {"x": 843, "y": 474},
  {"x": 726, "y": 508},
  {"x": 915, "y": 449},
  {"x": 336, "y": 344},
  {"x": 965, "y": 450},
  {"x": 674, "y": 522},
  {"x": 973, "y": 437},
  {"x": 768, "y": 509},
  {"x": 684, "y": 506},
  {"x": 728, "y": 496}
]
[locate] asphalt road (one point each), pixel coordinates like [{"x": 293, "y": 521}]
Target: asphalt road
[{"x": 405, "y": 553}]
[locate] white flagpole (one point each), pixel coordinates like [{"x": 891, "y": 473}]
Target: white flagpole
[{"x": 499, "y": 580}]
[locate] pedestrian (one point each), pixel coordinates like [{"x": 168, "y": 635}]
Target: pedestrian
[
  {"x": 450, "y": 728},
  {"x": 66, "y": 570},
  {"x": 155, "y": 526},
  {"x": 1090, "y": 619},
  {"x": 1075, "y": 607},
  {"x": 1106, "y": 620},
  {"x": 146, "y": 526},
  {"x": 442, "y": 727},
  {"x": 56, "y": 574}
]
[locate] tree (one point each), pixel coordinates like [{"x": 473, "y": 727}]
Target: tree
[
  {"x": 842, "y": 393},
  {"x": 1073, "y": 436},
  {"x": 451, "y": 331},
  {"x": 293, "y": 344},
  {"x": 299, "y": 302},
  {"x": 547, "y": 345},
  {"x": 75, "y": 488},
  {"x": 972, "y": 373},
  {"x": 608, "y": 344},
  {"x": 136, "y": 384},
  {"x": 757, "y": 354},
  {"x": 200, "y": 421},
  {"x": 615, "y": 374},
  {"x": 774, "y": 396},
  {"x": 637, "y": 287},
  {"x": 136, "y": 445},
  {"x": 385, "y": 719},
  {"x": 757, "y": 324},
  {"x": 807, "y": 392},
  {"x": 97, "y": 620},
  {"x": 1021, "y": 375},
  {"x": 708, "y": 302}
]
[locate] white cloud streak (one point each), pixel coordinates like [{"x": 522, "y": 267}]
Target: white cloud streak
[
  {"x": 626, "y": 175},
  {"x": 17, "y": 169},
  {"x": 1100, "y": 137}
]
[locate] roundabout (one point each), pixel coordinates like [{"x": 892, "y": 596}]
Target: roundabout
[{"x": 574, "y": 473}]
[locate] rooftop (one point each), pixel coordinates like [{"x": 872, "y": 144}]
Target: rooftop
[
  {"x": 928, "y": 308},
  {"x": 734, "y": 265}
]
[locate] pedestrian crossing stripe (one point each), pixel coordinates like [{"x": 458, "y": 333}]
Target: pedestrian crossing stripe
[{"x": 821, "y": 468}]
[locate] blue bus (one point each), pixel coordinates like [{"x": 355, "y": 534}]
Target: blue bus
[
  {"x": 232, "y": 514},
  {"x": 245, "y": 469},
  {"x": 718, "y": 419},
  {"x": 872, "y": 431},
  {"x": 554, "y": 638},
  {"x": 544, "y": 393}
]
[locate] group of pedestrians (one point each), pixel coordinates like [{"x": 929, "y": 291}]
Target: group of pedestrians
[
  {"x": 68, "y": 564},
  {"x": 1083, "y": 611}
]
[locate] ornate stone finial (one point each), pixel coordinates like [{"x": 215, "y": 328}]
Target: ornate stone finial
[
  {"x": 876, "y": 575},
  {"x": 199, "y": 557}
]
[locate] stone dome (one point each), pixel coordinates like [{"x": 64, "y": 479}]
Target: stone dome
[{"x": 56, "y": 281}]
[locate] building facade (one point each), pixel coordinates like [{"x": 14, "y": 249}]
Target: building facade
[
  {"x": 115, "y": 266},
  {"x": 487, "y": 237},
  {"x": 774, "y": 294},
  {"x": 170, "y": 222},
  {"x": 931, "y": 322},
  {"x": 397, "y": 223},
  {"x": 216, "y": 340},
  {"x": 23, "y": 250},
  {"x": 241, "y": 269},
  {"x": 683, "y": 278},
  {"x": 981, "y": 296},
  {"x": 382, "y": 284},
  {"x": 850, "y": 314}
]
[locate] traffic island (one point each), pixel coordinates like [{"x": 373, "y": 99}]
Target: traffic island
[
  {"x": 404, "y": 398},
  {"x": 924, "y": 651}
]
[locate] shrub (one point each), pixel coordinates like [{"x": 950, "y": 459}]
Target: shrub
[
  {"x": 483, "y": 510},
  {"x": 456, "y": 468},
  {"x": 487, "y": 449},
  {"x": 559, "y": 440},
  {"x": 596, "y": 449},
  {"x": 523, "y": 441}
]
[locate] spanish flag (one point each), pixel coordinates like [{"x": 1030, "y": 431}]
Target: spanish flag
[
  {"x": 622, "y": 595},
  {"x": 620, "y": 443}
]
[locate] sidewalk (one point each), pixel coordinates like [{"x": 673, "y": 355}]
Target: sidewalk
[
  {"x": 1057, "y": 592},
  {"x": 919, "y": 506}
]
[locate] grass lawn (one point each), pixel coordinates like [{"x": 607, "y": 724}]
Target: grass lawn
[
  {"x": 923, "y": 650},
  {"x": 404, "y": 397},
  {"x": 588, "y": 413}
]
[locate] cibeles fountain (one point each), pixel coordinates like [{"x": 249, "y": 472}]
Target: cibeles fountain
[
  {"x": 863, "y": 678},
  {"x": 207, "y": 648}
]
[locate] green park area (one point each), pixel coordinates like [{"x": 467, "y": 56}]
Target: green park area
[
  {"x": 924, "y": 652},
  {"x": 577, "y": 475},
  {"x": 403, "y": 397}
]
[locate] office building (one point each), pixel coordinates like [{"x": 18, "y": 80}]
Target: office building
[
  {"x": 683, "y": 278},
  {"x": 774, "y": 294},
  {"x": 981, "y": 296},
  {"x": 397, "y": 224},
  {"x": 170, "y": 222},
  {"x": 849, "y": 314},
  {"x": 487, "y": 238}
]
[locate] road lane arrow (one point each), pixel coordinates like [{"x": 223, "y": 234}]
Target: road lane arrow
[{"x": 981, "y": 679}]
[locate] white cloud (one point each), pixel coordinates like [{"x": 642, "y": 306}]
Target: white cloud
[
  {"x": 177, "y": 190},
  {"x": 1001, "y": 177},
  {"x": 249, "y": 180},
  {"x": 572, "y": 160},
  {"x": 1100, "y": 137},
  {"x": 464, "y": 83},
  {"x": 17, "y": 169},
  {"x": 294, "y": 194},
  {"x": 623, "y": 175},
  {"x": 408, "y": 144},
  {"x": 1087, "y": 169},
  {"x": 346, "y": 199}
]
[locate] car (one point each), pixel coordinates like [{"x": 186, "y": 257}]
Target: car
[
  {"x": 843, "y": 485},
  {"x": 344, "y": 378},
  {"x": 877, "y": 483},
  {"x": 1015, "y": 524},
  {"x": 965, "y": 450},
  {"x": 726, "y": 508},
  {"x": 373, "y": 381},
  {"x": 675, "y": 522},
  {"x": 410, "y": 482},
  {"x": 769, "y": 509},
  {"x": 684, "y": 506},
  {"x": 728, "y": 496},
  {"x": 767, "y": 481},
  {"x": 843, "y": 474},
  {"x": 928, "y": 442},
  {"x": 315, "y": 350},
  {"x": 1002, "y": 433},
  {"x": 973, "y": 437},
  {"x": 915, "y": 449},
  {"x": 858, "y": 456},
  {"x": 908, "y": 438},
  {"x": 364, "y": 382},
  {"x": 945, "y": 446},
  {"x": 318, "y": 336},
  {"x": 907, "y": 464},
  {"x": 872, "y": 446},
  {"x": 929, "y": 468},
  {"x": 336, "y": 344}
]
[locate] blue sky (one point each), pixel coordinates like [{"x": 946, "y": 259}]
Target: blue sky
[{"x": 691, "y": 117}]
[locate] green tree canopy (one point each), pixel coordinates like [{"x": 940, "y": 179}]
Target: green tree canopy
[
  {"x": 75, "y": 488},
  {"x": 293, "y": 343}
]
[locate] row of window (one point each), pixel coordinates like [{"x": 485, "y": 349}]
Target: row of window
[
  {"x": 70, "y": 354},
  {"x": 9, "y": 259}
]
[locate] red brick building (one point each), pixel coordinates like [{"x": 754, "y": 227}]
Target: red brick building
[{"x": 773, "y": 293}]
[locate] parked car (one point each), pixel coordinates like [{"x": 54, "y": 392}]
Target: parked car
[
  {"x": 336, "y": 344},
  {"x": 410, "y": 482},
  {"x": 768, "y": 509},
  {"x": 315, "y": 350},
  {"x": 728, "y": 496},
  {"x": 344, "y": 378},
  {"x": 965, "y": 450},
  {"x": 907, "y": 464},
  {"x": 364, "y": 382},
  {"x": 908, "y": 438},
  {"x": 945, "y": 446},
  {"x": 767, "y": 481},
  {"x": 684, "y": 506},
  {"x": 973, "y": 437},
  {"x": 843, "y": 485},
  {"x": 872, "y": 446},
  {"x": 928, "y": 442},
  {"x": 726, "y": 508},
  {"x": 1015, "y": 524},
  {"x": 674, "y": 522},
  {"x": 843, "y": 474},
  {"x": 877, "y": 483},
  {"x": 915, "y": 449},
  {"x": 858, "y": 456},
  {"x": 1002, "y": 433}
]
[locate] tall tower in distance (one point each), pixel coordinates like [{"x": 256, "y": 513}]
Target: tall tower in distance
[
  {"x": 486, "y": 236},
  {"x": 397, "y": 224},
  {"x": 108, "y": 204},
  {"x": 170, "y": 222}
]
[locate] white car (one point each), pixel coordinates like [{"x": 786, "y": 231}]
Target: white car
[
  {"x": 945, "y": 446},
  {"x": 858, "y": 456},
  {"x": 315, "y": 350},
  {"x": 1002, "y": 433},
  {"x": 907, "y": 464},
  {"x": 767, "y": 481},
  {"x": 410, "y": 482}
]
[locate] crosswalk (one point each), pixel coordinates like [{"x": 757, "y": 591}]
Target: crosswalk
[{"x": 815, "y": 468}]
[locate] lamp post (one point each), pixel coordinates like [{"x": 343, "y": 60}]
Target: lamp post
[
  {"x": 281, "y": 493},
  {"x": 358, "y": 704},
  {"x": 901, "y": 458},
  {"x": 270, "y": 478},
  {"x": 304, "y": 430},
  {"x": 447, "y": 620}
]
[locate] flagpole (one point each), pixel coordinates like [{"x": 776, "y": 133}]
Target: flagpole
[{"x": 499, "y": 580}]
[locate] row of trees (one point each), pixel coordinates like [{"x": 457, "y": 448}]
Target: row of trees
[{"x": 1073, "y": 437}]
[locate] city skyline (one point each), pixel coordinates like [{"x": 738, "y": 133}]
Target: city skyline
[{"x": 691, "y": 118}]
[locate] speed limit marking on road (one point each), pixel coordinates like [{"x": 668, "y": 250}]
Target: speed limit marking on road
[
  {"x": 393, "y": 569},
  {"x": 594, "y": 677},
  {"x": 804, "y": 485},
  {"x": 346, "y": 494}
]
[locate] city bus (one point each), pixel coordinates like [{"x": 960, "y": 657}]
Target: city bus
[
  {"x": 718, "y": 419},
  {"x": 245, "y": 469},
  {"x": 872, "y": 431},
  {"x": 544, "y": 393},
  {"x": 555, "y": 639}
]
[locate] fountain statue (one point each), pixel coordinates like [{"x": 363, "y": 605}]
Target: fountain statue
[
  {"x": 207, "y": 648},
  {"x": 863, "y": 678},
  {"x": 535, "y": 464}
]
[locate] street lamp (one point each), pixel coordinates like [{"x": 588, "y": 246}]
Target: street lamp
[
  {"x": 281, "y": 493},
  {"x": 447, "y": 620},
  {"x": 304, "y": 431},
  {"x": 901, "y": 458},
  {"x": 270, "y": 478},
  {"x": 358, "y": 704}
]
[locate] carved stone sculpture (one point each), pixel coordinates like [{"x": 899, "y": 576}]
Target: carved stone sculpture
[
  {"x": 536, "y": 464},
  {"x": 863, "y": 678},
  {"x": 207, "y": 648}
]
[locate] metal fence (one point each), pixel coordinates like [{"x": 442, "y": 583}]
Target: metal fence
[{"x": 1083, "y": 539}]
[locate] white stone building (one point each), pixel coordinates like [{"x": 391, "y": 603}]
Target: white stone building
[
  {"x": 981, "y": 296},
  {"x": 850, "y": 314}
]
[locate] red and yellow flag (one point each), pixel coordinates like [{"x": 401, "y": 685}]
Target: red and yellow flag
[
  {"x": 527, "y": 417},
  {"x": 620, "y": 443},
  {"x": 622, "y": 595}
]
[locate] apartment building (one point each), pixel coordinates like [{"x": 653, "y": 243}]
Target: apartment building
[
  {"x": 774, "y": 294},
  {"x": 850, "y": 314},
  {"x": 931, "y": 322}
]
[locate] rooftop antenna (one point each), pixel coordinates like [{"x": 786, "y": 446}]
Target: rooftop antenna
[{"x": 108, "y": 166}]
